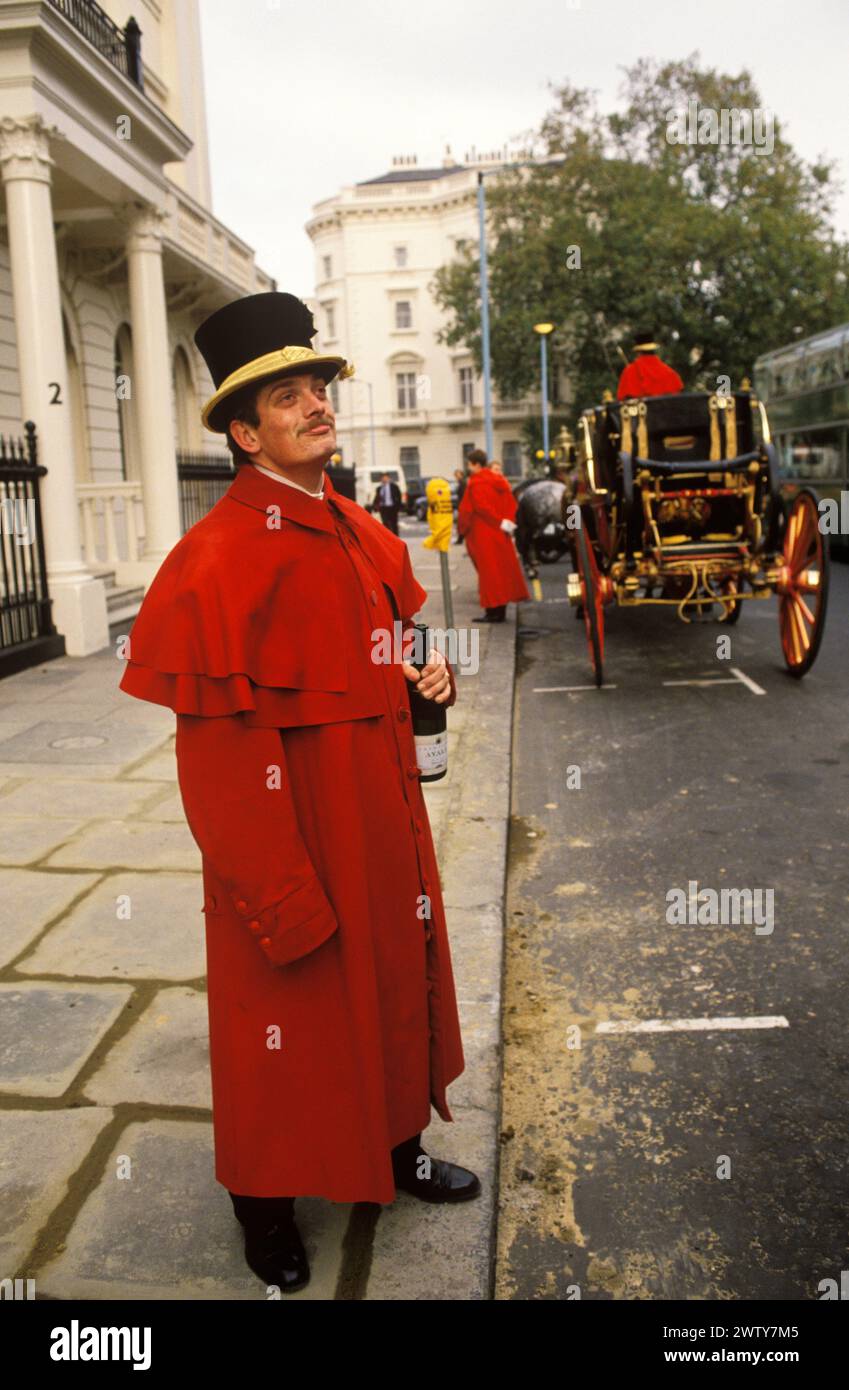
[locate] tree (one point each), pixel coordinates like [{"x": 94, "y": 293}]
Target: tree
[{"x": 724, "y": 250}]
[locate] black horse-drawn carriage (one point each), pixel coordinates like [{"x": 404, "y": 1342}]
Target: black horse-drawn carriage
[{"x": 679, "y": 503}]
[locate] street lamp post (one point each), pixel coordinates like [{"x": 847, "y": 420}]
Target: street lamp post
[
  {"x": 484, "y": 293},
  {"x": 543, "y": 329}
]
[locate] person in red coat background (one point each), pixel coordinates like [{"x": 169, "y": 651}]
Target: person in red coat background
[
  {"x": 486, "y": 518},
  {"x": 333, "y": 1019},
  {"x": 647, "y": 375}
]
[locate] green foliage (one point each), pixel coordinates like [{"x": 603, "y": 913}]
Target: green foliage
[{"x": 722, "y": 251}]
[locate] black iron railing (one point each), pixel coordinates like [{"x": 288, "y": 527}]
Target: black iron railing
[
  {"x": 122, "y": 47},
  {"x": 27, "y": 632},
  {"x": 203, "y": 479}
]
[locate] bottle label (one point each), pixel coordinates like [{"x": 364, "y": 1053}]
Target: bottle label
[{"x": 432, "y": 752}]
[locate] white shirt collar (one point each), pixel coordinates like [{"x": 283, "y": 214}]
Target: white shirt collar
[{"x": 288, "y": 481}]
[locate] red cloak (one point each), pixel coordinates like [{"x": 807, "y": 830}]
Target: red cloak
[
  {"x": 332, "y": 1012},
  {"x": 487, "y": 501},
  {"x": 647, "y": 375}
]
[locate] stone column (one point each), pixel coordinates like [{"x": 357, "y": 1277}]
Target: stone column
[
  {"x": 79, "y": 598},
  {"x": 151, "y": 385}
]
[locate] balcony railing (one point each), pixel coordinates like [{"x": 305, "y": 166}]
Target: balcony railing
[
  {"x": 111, "y": 522},
  {"x": 121, "y": 47}
]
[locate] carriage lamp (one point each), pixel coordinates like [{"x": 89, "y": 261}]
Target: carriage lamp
[{"x": 543, "y": 329}]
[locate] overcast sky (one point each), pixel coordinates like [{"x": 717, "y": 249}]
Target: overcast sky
[{"x": 304, "y": 98}]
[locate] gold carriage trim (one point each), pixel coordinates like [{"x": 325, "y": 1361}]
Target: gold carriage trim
[
  {"x": 642, "y": 430},
  {"x": 730, "y": 427},
  {"x": 715, "y": 446}
]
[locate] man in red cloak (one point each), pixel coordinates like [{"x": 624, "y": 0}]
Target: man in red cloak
[
  {"x": 332, "y": 1012},
  {"x": 486, "y": 518},
  {"x": 647, "y": 375}
]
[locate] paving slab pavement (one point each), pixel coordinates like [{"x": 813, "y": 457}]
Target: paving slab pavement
[{"x": 104, "y": 1082}]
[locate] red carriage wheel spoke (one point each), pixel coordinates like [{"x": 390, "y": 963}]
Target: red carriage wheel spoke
[
  {"x": 805, "y": 572},
  {"x": 804, "y": 609}
]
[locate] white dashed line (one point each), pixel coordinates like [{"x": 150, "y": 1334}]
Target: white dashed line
[
  {"x": 691, "y": 1025},
  {"x": 737, "y": 677},
  {"x": 747, "y": 681}
]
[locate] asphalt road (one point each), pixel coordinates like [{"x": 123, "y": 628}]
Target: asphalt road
[{"x": 686, "y": 1164}]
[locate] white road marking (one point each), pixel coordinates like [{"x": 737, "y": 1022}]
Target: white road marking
[
  {"x": 691, "y": 1025},
  {"x": 556, "y": 689},
  {"x": 747, "y": 681},
  {"x": 737, "y": 677},
  {"x": 711, "y": 680}
]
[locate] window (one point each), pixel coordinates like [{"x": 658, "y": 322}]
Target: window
[
  {"x": 411, "y": 465},
  {"x": 406, "y": 386},
  {"x": 467, "y": 449},
  {"x": 403, "y": 313},
  {"x": 400, "y": 254},
  {"x": 512, "y": 458},
  {"x": 467, "y": 386},
  {"x": 811, "y": 454},
  {"x": 330, "y": 319},
  {"x": 327, "y": 265},
  {"x": 334, "y": 396}
]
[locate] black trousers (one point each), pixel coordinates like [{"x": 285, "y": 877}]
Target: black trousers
[
  {"x": 389, "y": 517},
  {"x": 263, "y": 1209}
]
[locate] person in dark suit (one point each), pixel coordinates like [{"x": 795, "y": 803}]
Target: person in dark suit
[{"x": 387, "y": 500}]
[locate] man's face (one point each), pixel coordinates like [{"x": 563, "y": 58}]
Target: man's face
[{"x": 296, "y": 422}]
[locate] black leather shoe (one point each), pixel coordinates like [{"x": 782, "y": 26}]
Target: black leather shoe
[
  {"x": 277, "y": 1256},
  {"x": 273, "y": 1246},
  {"x": 445, "y": 1182}
]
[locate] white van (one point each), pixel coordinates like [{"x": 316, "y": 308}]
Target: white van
[{"x": 369, "y": 479}]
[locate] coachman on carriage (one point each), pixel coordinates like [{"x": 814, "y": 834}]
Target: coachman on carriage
[{"x": 680, "y": 505}]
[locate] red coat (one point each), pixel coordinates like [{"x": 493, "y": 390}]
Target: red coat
[
  {"x": 487, "y": 501},
  {"x": 297, "y": 770},
  {"x": 647, "y": 375}
]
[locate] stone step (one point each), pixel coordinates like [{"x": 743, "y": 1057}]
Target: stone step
[
  {"x": 107, "y": 575},
  {"x": 125, "y": 595}
]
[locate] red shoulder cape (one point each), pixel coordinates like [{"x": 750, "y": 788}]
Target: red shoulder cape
[{"x": 244, "y": 612}]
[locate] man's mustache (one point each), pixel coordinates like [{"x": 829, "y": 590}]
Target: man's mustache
[{"x": 316, "y": 423}]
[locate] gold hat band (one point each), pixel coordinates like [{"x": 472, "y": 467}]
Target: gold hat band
[
  {"x": 645, "y": 347},
  {"x": 271, "y": 362}
]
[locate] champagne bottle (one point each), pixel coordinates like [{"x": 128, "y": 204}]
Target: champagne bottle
[{"x": 429, "y": 722}]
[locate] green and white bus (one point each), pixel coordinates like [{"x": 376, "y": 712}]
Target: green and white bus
[{"x": 805, "y": 388}]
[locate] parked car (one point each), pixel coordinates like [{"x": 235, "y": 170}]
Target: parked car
[
  {"x": 369, "y": 479},
  {"x": 415, "y": 491}
]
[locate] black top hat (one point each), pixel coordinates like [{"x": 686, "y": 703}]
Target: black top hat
[
  {"x": 644, "y": 342},
  {"x": 256, "y": 338}
]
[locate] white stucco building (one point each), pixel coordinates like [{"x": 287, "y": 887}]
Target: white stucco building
[
  {"x": 377, "y": 245},
  {"x": 109, "y": 258}
]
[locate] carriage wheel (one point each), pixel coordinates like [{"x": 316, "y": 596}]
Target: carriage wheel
[
  {"x": 592, "y": 605},
  {"x": 803, "y": 587}
]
